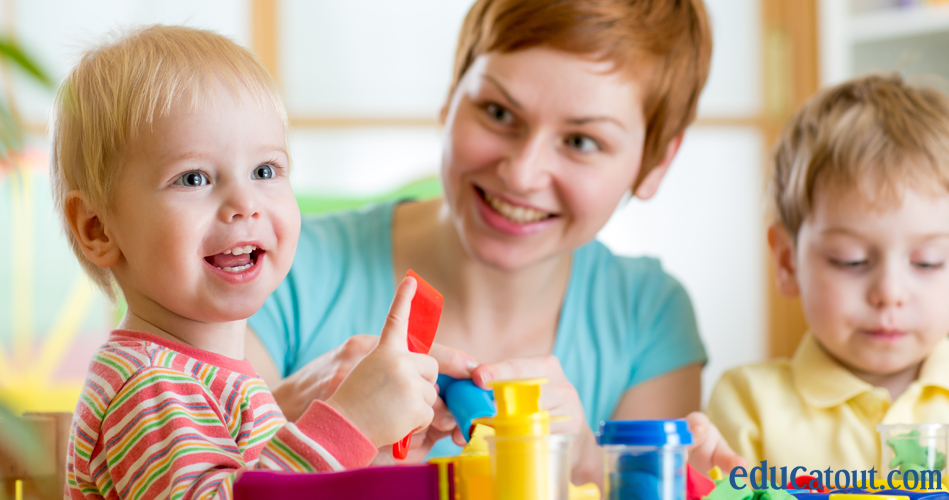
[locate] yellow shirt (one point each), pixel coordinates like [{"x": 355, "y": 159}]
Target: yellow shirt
[{"x": 813, "y": 412}]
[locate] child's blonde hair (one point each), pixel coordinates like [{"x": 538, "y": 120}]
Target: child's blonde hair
[
  {"x": 119, "y": 87},
  {"x": 875, "y": 133}
]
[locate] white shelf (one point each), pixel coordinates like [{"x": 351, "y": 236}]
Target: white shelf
[{"x": 903, "y": 22}]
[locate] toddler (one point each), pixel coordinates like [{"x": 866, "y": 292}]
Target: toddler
[
  {"x": 861, "y": 191},
  {"x": 170, "y": 171}
]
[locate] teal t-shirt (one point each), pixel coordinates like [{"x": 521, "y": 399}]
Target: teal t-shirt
[{"x": 623, "y": 320}]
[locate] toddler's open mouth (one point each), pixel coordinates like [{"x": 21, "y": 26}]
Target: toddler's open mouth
[{"x": 236, "y": 260}]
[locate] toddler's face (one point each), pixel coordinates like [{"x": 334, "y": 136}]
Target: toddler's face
[
  {"x": 203, "y": 214},
  {"x": 873, "y": 278}
]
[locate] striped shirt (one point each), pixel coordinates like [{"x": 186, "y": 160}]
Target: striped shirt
[{"x": 159, "y": 419}]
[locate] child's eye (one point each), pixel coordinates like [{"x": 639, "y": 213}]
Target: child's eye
[
  {"x": 929, "y": 265},
  {"x": 582, "y": 143},
  {"x": 264, "y": 171},
  {"x": 849, "y": 264},
  {"x": 192, "y": 179},
  {"x": 499, "y": 114}
]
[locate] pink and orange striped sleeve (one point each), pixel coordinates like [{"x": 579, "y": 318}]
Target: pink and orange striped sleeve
[{"x": 168, "y": 433}]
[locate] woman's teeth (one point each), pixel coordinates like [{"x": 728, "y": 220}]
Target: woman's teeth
[
  {"x": 240, "y": 250},
  {"x": 520, "y": 215}
]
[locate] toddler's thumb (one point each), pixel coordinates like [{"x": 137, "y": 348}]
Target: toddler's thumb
[{"x": 395, "y": 333}]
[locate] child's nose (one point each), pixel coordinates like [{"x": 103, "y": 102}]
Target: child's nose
[
  {"x": 527, "y": 166},
  {"x": 240, "y": 203},
  {"x": 887, "y": 289}
]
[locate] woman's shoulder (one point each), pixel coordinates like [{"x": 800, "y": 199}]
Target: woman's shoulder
[
  {"x": 634, "y": 298},
  {"x": 628, "y": 315},
  {"x": 640, "y": 282}
]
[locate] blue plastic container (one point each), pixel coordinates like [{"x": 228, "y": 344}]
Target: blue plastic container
[{"x": 645, "y": 459}]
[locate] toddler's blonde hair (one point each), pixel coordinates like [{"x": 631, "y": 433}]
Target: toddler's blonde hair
[
  {"x": 119, "y": 87},
  {"x": 875, "y": 133}
]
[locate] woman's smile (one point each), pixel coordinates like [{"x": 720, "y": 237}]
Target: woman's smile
[{"x": 510, "y": 218}]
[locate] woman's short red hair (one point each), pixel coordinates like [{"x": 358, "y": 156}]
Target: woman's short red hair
[{"x": 668, "y": 40}]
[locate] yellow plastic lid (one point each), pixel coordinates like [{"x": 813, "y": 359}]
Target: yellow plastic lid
[{"x": 519, "y": 412}]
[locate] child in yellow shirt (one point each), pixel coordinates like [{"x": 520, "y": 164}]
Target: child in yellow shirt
[{"x": 861, "y": 192}]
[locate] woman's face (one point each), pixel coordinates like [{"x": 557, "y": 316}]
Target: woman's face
[{"x": 540, "y": 146}]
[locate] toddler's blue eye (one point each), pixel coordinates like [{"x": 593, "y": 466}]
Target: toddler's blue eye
[
  {"x": 264, "y": 172},
  {"x": 192, "y": 179}
]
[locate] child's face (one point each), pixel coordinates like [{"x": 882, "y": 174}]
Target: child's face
[
  {"x": 195, "y": 192},
  {"x": 540, "y": 146},
  {"x": 873, "y": 278}
]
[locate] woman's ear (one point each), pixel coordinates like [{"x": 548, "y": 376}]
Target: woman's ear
[
  {"x": 648, "y": 187},
  {"x": 783, "y": 253},
  {"x": 90, "y": 231}
]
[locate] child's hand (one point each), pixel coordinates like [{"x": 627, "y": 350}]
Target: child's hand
[
  {"x": 390, "y": 392},
  {"x": 709, "y": 448}
]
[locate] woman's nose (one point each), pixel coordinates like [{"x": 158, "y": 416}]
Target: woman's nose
[{"x": 527, "y": 166}]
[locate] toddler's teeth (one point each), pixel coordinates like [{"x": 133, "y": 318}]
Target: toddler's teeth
[
  {"x": 227, "y": 252},
  {"x": 239, "y": 251},
  {"x": 237, "y": 269},
  {"x": 248, "y": 249}
]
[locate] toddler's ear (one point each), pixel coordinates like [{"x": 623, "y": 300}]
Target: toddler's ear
[
  {"x": 90, "y": 231},
  {"x": 648, "y": 187},
  {"x": 782, "y": 251}
]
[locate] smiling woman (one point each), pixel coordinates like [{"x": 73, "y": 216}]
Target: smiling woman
[{"x": 556, "y": 110}]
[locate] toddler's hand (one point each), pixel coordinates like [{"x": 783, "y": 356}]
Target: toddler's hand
[
  {"x": 709, "y": 448},
  {"x": 390, "y": 392}
]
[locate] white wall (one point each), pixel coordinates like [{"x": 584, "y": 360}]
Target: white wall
[{"x": 378, "y": 58}]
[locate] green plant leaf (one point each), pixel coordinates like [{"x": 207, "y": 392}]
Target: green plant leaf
[{"x": 10, "y": 51}]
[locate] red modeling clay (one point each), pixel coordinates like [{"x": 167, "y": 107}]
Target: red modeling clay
[
  {"x": 423, "y": 322},
  {"x": 697, "y": 486}
]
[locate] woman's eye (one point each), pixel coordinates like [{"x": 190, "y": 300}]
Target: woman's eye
[
  {"x": 499, "y": 114},
  {"x": 929, "y": 265},
  {"x": 264, "y": 172},
  {"x": 582, "y": 143},
  {"x": 193, "y": 179}
]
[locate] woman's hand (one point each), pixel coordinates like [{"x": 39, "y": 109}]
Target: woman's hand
[
  {"x": 320, "y": 378},
  {"x": 560, "y": 399}
]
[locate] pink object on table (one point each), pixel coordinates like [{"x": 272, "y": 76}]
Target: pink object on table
[{"x": 406, "y": 482}]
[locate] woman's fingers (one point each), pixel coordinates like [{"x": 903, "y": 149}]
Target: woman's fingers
[
  {"x": 558, "y": 396},
  {"x": 537, "y": 367},
  {"x": 452, "y": 362},
  {"x": 443, "y": 420},
  {"x": 458, "y": 437}
]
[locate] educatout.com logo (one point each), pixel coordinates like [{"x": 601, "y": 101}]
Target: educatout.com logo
[{"x": 865, "y": 479}]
